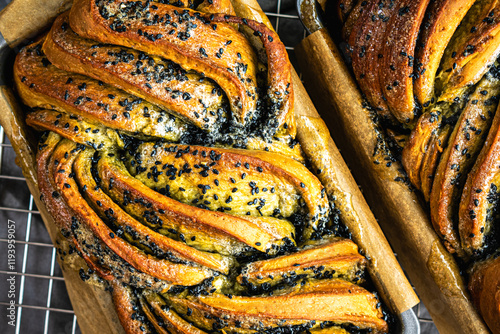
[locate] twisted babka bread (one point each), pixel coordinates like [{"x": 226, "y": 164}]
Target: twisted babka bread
[
  {"x": 168, "y": 160},
  {"x": 430, "y": 70}
]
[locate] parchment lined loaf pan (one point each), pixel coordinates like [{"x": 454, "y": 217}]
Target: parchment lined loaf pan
[
  {"x": 23, "y": 19},
  {"x": 401, "y": 212}
]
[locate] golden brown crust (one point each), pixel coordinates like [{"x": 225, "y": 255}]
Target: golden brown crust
[
  {"x": 136, "y": 233},
  {"x": 417, "y": 145},
  {"x": 97, "y": 102},
  {"x": 475, "y": 211},
  {"x": 96, "y": 254},
  {"x": 126, "y": 306},
  {"x": 396, "y": 71},
  {"x": 330, "y": 330},
  {"x": 195, "y": 44},
  {"x": 241, "y": 182},
  {"x": 463, "y": 147},
  {"x": 318, "y": 301},
  {"x": 56, "y": 206},
  {"x": 51, "y": 198},
  {"x": 185, "y": 94},
  {"x": 222, "y": 232},
  {"x": 279, "y": 73},
  {"x": 158, "y": 309},
  {"x": 484, "y": 286},
  {"x": 71, "y": 127},
  {"x": 216, "y": 7},
  {"x": 283, "y": 144},
  {"x": 328, "y": 259},
  {"x": 473, "y": 49},
  {"x": 442, "y": 19},
  {"x": 365, "y": 42},
  {"x": 352, "y": 19},
  {"x": 158, "y": 326},
  {"x": 431, "y": 159},
  {"x": 182, "y": 274},
  {"x": 102, "y": 104}
]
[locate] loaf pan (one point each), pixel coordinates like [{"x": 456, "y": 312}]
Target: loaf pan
[
  {"x": 23, "y": 19},
  {"x": 400, "y": 210}
]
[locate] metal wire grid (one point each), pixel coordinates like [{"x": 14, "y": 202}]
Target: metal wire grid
[{"x": 41, "y": 301}]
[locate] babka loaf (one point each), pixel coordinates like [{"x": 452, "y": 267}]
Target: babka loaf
[
  {"x": 168, "y": 159},
  {"x": 430, "y": 71},
  {"x": 483, "y": 287}
]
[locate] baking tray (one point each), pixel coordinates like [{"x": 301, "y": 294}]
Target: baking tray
[
  {"x": 400, "y": 209},
  {"x": 280, "y": 18}
]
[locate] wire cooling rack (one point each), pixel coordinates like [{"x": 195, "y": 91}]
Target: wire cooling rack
[{"x": 41, "y": 302}]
